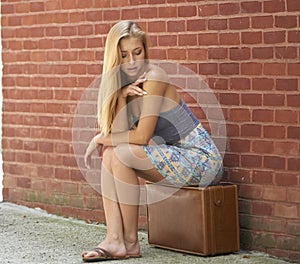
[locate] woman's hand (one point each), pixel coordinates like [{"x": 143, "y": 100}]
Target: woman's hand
[
  {"x": 133, "y": 88},
  {"x": 89, "y": 151}
]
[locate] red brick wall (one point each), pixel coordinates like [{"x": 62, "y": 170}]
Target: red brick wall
[{"x": 249, "y": 52}]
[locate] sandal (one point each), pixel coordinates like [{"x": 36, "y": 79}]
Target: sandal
[{"x": 102, "y": 255}]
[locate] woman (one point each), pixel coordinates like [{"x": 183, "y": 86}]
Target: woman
[{"x": 147, "y": 131}]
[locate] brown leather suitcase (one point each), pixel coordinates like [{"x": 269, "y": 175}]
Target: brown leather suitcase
[{"x": 202, "y": 221}]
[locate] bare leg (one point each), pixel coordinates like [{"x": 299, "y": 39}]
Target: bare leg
[
  {"x": 120, "y": 191},
  {"x": 114, "y": 241}
]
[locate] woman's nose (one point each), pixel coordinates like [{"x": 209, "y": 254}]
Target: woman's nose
[{"x": 132, "y": 59}]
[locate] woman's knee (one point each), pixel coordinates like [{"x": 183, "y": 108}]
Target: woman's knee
[{"x": 133, "y": 156}]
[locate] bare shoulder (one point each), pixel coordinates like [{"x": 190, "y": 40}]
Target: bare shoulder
[{"x": 156, "y": 73}]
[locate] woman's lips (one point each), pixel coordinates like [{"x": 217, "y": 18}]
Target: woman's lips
[{"x": 132, "y": 69}]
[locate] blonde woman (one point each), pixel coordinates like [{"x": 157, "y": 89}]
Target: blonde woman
[{"x": 146, "y": 131}]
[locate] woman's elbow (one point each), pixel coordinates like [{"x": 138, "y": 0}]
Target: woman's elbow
[{"x": 142, "y": 140}]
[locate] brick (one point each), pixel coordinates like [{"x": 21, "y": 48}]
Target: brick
[
  {"x": 294, "y": 164},
  {"x": 285, "y": 179},
  {"x": 167, "y": 40},
  {"x": 293, "y": 100},
  {"x": 24, "y": 183},
  {"x": 109, "y": 15},
  {"x": 293, "y": 5},
  {"x": 251, "y": 161},
  {"x": 196, "y": 24},
  {"x": 274, "y": 37},
  {"x": 120, "y": 3},
  {"x": 37, "y": 7},
  {"x": 187, "y": 11},
  {"x": 239, "y": 23},
  {"x": 265, "y": 240},
  {"x": 251, "y": 222},
  {"x": 239, "y": 145},
  {"x": 7, "y": 9},
  {"x": 239, "y": 176},
  {"x": 208, "y": 39},
  {"x": 251, "y": 7},
  {"x": 286, "y": 21},
  {"x": 157, "y": 26},
  {"x": 293, "y": 69},
  {"x": 187, "y": 40},
  {"x": 275, "y": 131},
  {"x": 30, "y": 20},
  {"x": 217, "y": 24},
  {"x": 217, "y": 53},
  {"x": 196, "y": 54},
  {"x": 240, "y": 83},
  {"x": 293, "y": 195},
  {"x": 229, "y": 68},
  {"x": 218, "y": 83},
  {"x": 274, "y": 225},
  {"x": 262, "y": 208},
  {"x": 285, "y": 210},
  {"x": 294, "y": 36},
  {"x": 231, "y": 160},
  {"x": 43, "y": 18},
  {"x": 273, "y": 99},
  {"x": 251, "y": 130},
  {"x": 239, "y": 114},
  {"x": 262, "y": 53},
  {"x": 250, "y": 191},
  {"x": 176, "y": 54},
  {"x": 293, "y": 132},
  {"x": 262, "y": 22},
  {"x": 239, "y": 53},
  {"x": 208, "y": 9},
  {"x": 229, "y": 38},
  {"x": 262, "y": 177},
  {"x": 261, "y": 146},
  {"x": 175, "y": 26},
  {"x": 274, "y": 68},
  {"x": 274, "y": 6},
  {"x": 251, "y": 68},
  {"x": 85, "y": 30},
  {"x": 287, "y": 84},
  {"x": 286, "y": 116},
  {"x": 84, "y": 4},
  {"x": 251, "y": 37},
  {"x": 274, "y": 193},
  {"x": 229, "y": 99},
  {"x": 286, "y": 148},
  {"x": 149, "y": 12},
  {"x": 76, "y": 43},
  {"x": 169, "y": 12},
  {"x": 208, "y": 68},
  {"x": 251, "y": 99},
  {"x": 52, "y": 5},
  {"x": 286, "y": 52}
]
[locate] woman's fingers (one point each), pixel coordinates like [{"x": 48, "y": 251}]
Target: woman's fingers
[{"x": 134, "y": 89}]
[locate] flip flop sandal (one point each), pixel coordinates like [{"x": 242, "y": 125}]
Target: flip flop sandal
[
  {"x": 102, "y": 255},
  {"x": 134, "y": 256}
]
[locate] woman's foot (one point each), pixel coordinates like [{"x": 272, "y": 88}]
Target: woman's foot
[
  {"x": 105, "y": 250},
  {"x": 133, "y": 249}
]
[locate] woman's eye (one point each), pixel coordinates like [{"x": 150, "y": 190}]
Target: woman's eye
[
  {"x": 124, "y": 55},
  {"x": 138, "y": 52}
]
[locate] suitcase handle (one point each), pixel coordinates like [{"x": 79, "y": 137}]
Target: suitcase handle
[{"x": 218, "y": 194}]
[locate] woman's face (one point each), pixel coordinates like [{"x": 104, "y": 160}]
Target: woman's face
[{"x": 132, "y": 57}]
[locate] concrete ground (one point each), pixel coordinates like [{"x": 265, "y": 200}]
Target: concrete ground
[{"x": 31, "y": 236}]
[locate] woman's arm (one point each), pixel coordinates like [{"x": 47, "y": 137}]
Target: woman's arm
[
  {"x": 121, "y": 122},
  {"x": 150, "y": 112}
]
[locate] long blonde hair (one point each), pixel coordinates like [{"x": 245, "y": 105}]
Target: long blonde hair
[{"x": 111, "y": 79}]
